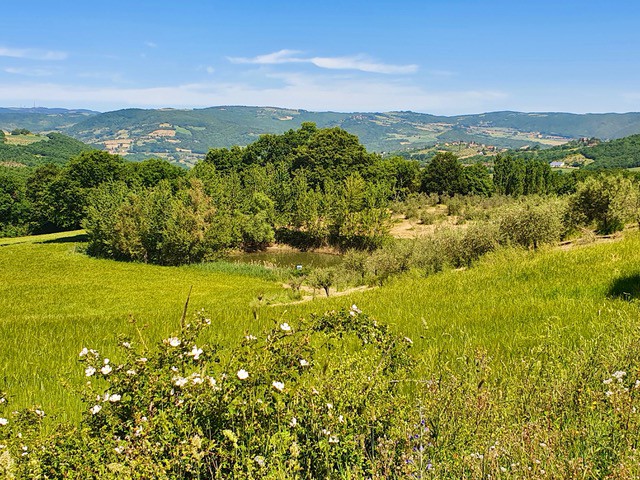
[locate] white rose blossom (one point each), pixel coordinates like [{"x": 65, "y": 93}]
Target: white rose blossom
[{"x": 242, "y": 374}]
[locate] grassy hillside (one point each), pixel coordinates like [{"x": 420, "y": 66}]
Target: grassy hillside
[
  {"x": 54, "y": 300},
  {"x": 34, "y": 150}
]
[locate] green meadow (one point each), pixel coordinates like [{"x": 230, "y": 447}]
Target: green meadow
[{"x": 54, "y": 300}]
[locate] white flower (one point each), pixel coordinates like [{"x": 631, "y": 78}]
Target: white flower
[
  {"x": 174, "y": 369},
  {"x": 278, "y": 385},
  {"x": 259, "y": 460},
  {"x": 607, "y": 381},
  {"x": 355, "y": 309},
  {"x": 329, "y": 406},
  {"x": 326, "y": 432},
  {"x": 126, "y": 344},
  {"x": 195, "y": 352},
  {"x": 340, "y": 418},
  {"x": 106, "y": 370},
  {"x": 83, "y": 352},
  {"x": 293, "y": 422},
  {"x": 285, "y": 327},
  {"x": 173, "y": 341},
  {"x": 333, "y": 439},
  {"x": 119, "y": 450},
  {"x": 114, "y": 398},
  {"x": 196, "y": 379},
  {"x": 131, "y": 372},
  {"x": 106, "y": 361},
  {"x": 142, "y": 360},
  {"x": 212, "y": 382},
  {"x": 207, "y": 321},
  {"x": 89, "y": 371},
  {"x": 179, "y": 381},
  {"x": 39, "y": 413},
  {"x": 3, "y": 421},
  {"x": 2, "y": 399},
  {"x": 314, "y": 391},
  {"x": 243, "y": 374},
  {"x": 303, "y": 363},
  {"x": 618, "y": 375},
  {"x": 251, "y": 337},
  {"x": 608, "y": 393},
  {"x": 95, "y": 409}
]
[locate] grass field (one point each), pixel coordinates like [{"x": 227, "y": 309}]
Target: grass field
[{"x": 54, "y": 300}]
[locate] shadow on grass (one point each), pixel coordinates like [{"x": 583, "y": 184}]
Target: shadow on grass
[
  {"x": 626, "y": 288},
  {"x": 81, "y": 237}
]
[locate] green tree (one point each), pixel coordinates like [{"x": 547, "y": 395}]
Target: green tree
[{"x": 444, "y": 175}]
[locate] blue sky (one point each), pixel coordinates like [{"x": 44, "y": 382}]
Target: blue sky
[{"x": 433, "y": 56}]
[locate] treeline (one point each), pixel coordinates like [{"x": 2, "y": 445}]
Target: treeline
[
  {"x": 53, "y": 148},
  {"x": 52, "y": 198},
  {"x": 308, "y": 187}
]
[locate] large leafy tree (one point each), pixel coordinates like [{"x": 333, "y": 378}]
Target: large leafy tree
[{"x": 444, "y": 175}]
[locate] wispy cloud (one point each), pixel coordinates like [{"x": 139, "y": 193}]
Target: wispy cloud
[
  {"x": 30, "y": 72},
  {"x": 32, "y": 54},
  {"x": 151, "y": 44},
  {"x": 294, "y": 91},
  {"x": 362, "y": 63}
]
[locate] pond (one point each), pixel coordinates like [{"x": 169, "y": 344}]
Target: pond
[{"x": 289, "y": 259}]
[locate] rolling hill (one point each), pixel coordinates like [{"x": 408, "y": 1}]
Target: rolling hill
[{"x": 184, "y": 136}]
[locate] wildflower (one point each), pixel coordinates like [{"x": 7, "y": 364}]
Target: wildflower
[
  {"x": 39, "y": 413},
  {"x": 119, "y": 450},
  {"x": 196, "y": 379},
  {"x": 89, "y": 371},
  {"x": 618, "y": 375},
  {"x": 278, "y": 385},
  {"x": 293, "y": 422},
  {"x": 83, "y": 352},
  {"x": 173, "y": 341},
  {"x": 179, "y": 381},
  {"x": 314, "y": 391},
  {"x": 303, "y": 363},
  {"x": 285, "y": 327},
  {"x": 195, "y": 352},
  {"x": 543, "y": 445},
  {"x": 259, "y": 460},
  {"x": 142, "y": 360},
  {"x": 326, "y": 432},
  {"x": 106, "y": 370},
  {"x": 114, "y": 398},
  {"x": 607, "y": 381},
  {"x": 131, "y": 372},
  {"x": 126, "y": 344},
  {"x": 2, "y": 400},
  {"x": 207, "y": 321},
  {"x": 355, "y": 309},
  {"x": 608, "y": 393},
  {"x": 340, "y": 418},
  {"x": 251, "y": 337},
  {"x": 329, "y": 406},
  {"x": 333, "y": 439},
  {"x": 95, "y": 409},
  {"x": 174, "y": 369},
  {"x": 212, "y": 382},
  {"x": 3, "y": 421},
  {"x": 243, "y": 374},
  {"x": 106, "y": 361}
]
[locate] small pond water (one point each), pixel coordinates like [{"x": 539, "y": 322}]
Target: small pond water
[{"x": 289, "y": 259}]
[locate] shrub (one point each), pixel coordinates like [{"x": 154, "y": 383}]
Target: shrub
[
  {"x": 532, "y": 224},
  {"x": 310, "y": 400}
]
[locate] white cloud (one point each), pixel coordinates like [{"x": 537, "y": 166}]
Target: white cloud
[
  {"x": 295, "y": 91},
  {"x": 151, "y": 44},
  {"x": 32, "y": 54},
  {"x": 362, "y": 63},
  {"x": 30, "y": 72}
]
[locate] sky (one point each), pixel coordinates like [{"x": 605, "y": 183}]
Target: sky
[{"x": 431, "y": 56}]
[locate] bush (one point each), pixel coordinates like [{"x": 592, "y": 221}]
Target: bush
[
  {"x": 532, "y": 224},
  {"x": 289, "y": 404}
]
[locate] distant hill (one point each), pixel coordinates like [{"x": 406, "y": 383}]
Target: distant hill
[
  {"x": 34, "y": 150},
  {"x": 185, "y": 136}
]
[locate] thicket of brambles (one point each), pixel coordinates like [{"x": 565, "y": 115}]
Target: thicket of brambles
[{"x": 308, "y": 188}]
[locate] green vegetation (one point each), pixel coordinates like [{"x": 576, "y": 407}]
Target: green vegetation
[
  {"x": 52, "y": 148},
  {"x": 493, "y": 369}
]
